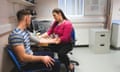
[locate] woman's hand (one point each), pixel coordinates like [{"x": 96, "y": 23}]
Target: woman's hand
[
  {"x": 57, "y": 40},
  {"x": 49, "y": 40}
]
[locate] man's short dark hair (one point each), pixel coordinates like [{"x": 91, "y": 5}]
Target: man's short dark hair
[{"x": 22, "y": 13}]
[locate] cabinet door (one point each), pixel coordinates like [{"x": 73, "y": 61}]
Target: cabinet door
[
  {"x": 102, "y": 37},
  {"x": 102, "y": 48}
]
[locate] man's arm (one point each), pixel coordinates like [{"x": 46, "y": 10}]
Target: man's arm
[
  {"x": 20, "y": 52},
  {"x": 44, "y": 35},
  {"x": 34, "y": 39},
  {"x": 42, "y": 39}
]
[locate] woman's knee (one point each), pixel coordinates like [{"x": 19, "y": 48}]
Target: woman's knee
[{"x": 60, "y": 54}]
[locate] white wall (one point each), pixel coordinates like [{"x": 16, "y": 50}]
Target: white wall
[
  {"x": 82, "y": 32},
  {"x": 44, "y": 8},
  {"x": 6, "y": 11},
  {"x": 7, "y": 23},
  {"x": 81, "y": 25},
  {"x": 116, "y": 10}
]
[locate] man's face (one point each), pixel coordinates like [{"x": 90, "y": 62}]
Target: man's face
[{"x": 28, "y": 20}]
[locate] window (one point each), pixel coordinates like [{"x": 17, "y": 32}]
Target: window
[{"x": 72, "y": 7}]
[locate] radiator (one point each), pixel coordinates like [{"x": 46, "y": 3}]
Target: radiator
[{"x": 82, "y": 32}]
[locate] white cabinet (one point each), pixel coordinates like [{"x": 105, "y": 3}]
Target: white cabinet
[
  {"x": 115, "y": 39},
  {"x": 23, "y": 2},
  {"x": 99, "y": 40}
]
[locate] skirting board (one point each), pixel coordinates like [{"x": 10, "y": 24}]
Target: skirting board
[
  {"x": 114, "y": 48},
  {"x": 76, "y": 46}
]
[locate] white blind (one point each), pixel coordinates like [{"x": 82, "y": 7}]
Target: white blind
[{"x": 72, "y": 7}]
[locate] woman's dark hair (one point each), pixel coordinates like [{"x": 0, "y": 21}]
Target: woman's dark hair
[
  {"x": 57, "y": 10},
  {"x": 22, "y": 13}
]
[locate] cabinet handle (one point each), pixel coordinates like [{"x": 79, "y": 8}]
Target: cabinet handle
[
  {"x": 102, "y": 35},
  {"x": 102, "y": 45}
]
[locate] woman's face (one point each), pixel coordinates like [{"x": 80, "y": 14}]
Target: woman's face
[{"x": 56, "y": 16}]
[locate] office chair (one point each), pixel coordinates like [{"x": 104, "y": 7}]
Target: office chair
[
  {"x": 73, "y": 45},
  {"x": 23, "y": 67}
]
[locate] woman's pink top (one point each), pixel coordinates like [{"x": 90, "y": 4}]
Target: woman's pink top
[{"x": 63, "y": 30}]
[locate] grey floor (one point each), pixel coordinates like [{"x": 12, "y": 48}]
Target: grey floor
[{"x": 91, "y": 62}]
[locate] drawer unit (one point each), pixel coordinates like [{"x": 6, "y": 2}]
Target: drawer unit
[{"x": 99, "y": 40}]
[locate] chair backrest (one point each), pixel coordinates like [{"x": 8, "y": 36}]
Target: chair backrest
[
  {"x": 20, "y": 66},
  {"x": 13, "y": 57},
  {"x": 73, "y": 36}
]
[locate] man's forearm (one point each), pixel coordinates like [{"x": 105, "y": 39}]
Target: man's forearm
[
  {"x": 34, "y": 39},
  {"x": 31, "y": 58}
]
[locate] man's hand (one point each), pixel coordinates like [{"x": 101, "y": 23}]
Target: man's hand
[{"x": 48, "y": 61}]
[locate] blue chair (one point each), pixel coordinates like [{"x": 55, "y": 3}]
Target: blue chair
[
  {"x": 22, "y": 67},
  {"x": 73, "y": 45},
  {"x": 73, "y": 37}
]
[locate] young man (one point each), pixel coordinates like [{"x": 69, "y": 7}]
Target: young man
[{"x": 19, "y": 39}]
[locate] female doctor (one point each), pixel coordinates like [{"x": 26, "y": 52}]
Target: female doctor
[{"x": 60, "y": 31}]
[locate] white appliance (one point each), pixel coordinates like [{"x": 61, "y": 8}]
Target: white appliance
[
  {"x": 99, "y": 40},
  {"x": 115, "y": 34}
]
